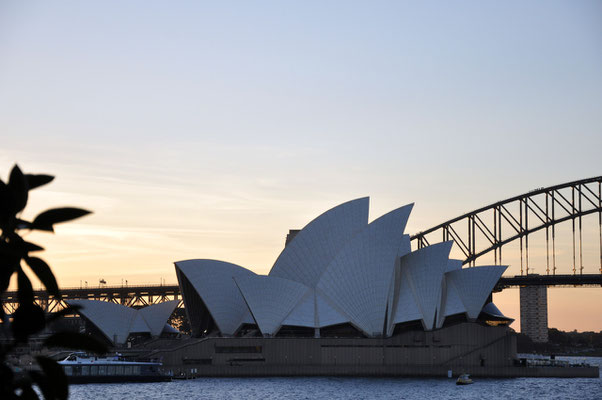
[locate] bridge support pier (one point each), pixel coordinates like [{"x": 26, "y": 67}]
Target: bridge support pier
[{"x": 534, "y": 312}]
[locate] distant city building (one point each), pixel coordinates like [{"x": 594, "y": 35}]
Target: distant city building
[{"x": 534, "y": 312}]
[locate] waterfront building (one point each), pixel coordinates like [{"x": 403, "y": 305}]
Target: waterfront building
[
  {"x": 340, "y": 275},
  {"x": 345, "y": 297},
  {"x": 534, "y": 312}
]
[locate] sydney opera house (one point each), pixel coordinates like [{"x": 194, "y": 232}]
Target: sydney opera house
[
  {"x": 346, "y": 296},
  {"x": 339, "y": 271}
]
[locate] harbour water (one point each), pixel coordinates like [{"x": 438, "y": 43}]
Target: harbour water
[{"x": 350, "y": 388}]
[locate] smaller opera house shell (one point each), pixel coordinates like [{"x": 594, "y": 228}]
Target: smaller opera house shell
[
  {"x": 116, "y": 322},
  {"x": 340, "y": 276}
]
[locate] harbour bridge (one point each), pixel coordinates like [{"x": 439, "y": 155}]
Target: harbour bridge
[
  {"x": 481, "y": 233},
  {"x": 485, "y": 232},
  {"x": 489, "y": 230}
]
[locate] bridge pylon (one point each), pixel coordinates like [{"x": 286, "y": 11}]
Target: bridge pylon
[{"x": 534, "y": 312}]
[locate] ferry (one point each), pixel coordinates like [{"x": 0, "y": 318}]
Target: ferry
[{"x": 84, "y": 368}]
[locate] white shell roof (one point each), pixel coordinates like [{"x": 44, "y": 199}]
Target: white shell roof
[
  {"x": 424, "y": 269},
  {"x": 270, "y": 299},
  {"x": 358, "y": 279},
  {"x": 474, "y": 285},
  {"x": 492, "y": 310},
  {"x": 453, "y": 265},
  {"x": 169, "y": 329},
  {"x": 214, "y": 283},
  {"x": 156, "y": 315},
  {"x": 304, "y": 313},
  {"x": 117, "y": 321},
  {"x": 450, "y": 302},
  {"x": 407, "y": 308},
  {"x": 327, "y": 313},
  {"x": 111, "y": 319},
  {"x": 137, "y": 325},
  {"x": 453, "y": 303},
  {"x": 247, "y": 318},
  {"x": 306, "y": 257},
  {"x": 340, "y": 269},
  {"x": 393, "y": 298},
  {"x": 314, "y": 311}
]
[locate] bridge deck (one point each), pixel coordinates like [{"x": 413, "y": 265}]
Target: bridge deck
[
  {"x": 141, "y": 295},
  {"x": 549, "y": 280},
  {"x": 132, "y": 296}
]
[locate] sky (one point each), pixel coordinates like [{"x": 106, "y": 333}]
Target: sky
[{"x": 209, "y": 129}]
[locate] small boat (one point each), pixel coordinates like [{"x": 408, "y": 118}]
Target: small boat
[
  {"x": 84, "y": 368},
  {"x": 464, "y": 379}
]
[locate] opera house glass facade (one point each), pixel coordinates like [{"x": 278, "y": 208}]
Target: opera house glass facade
[{"x": 340, "y": 276}]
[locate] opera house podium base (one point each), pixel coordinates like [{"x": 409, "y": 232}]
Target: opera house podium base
[{"x": 468, "y": 347}]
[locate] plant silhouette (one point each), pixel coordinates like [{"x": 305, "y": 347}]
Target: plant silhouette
[{"x": 29, "y": 318}]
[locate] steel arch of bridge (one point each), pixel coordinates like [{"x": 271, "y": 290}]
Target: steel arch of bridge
[{"x": 538, "y": 209}]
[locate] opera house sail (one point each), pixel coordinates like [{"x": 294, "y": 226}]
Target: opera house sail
[
  {"x": 340, "y": 271},
  {"x": 116, "y": 323}
]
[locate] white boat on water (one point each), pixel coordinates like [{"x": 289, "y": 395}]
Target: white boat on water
[
  {"x": 464, "y": 379},
  {"x": 84, "y": 368}
]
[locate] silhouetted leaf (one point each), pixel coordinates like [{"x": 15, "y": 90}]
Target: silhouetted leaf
[
  {"x": 28, "y": 319},
  {"x": 45, "y": 220},
  {"x": 43, "y": 383},
  {"x": 70, "y": 309},
  {"x": 76, "y": 341},
  {"x": 43, "y": 272},
  {"x": 32, "y": 247},
  {"x": 28, "y": 393},
  {"x": 6, "y": 271},
  {"x": 35, "y": 181},
  {"x": 57, "y": 387},
  {"x": 25, "y": 292},
  {"x": 22, "y": 224},
  {"x": 12, "y": 249},
  {"x": 5, "y": 200},
  {"x": 18, "y": 188},
  {"x": 15, "y": 250},
  {"x": 6, "y": 374}
]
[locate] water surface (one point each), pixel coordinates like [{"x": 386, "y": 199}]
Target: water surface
[{"x": 349, "y": 388}]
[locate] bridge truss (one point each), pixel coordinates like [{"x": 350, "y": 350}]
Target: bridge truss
[
  {"x": 131, "y": 296},
  {"x": 489, "y": 228}
]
